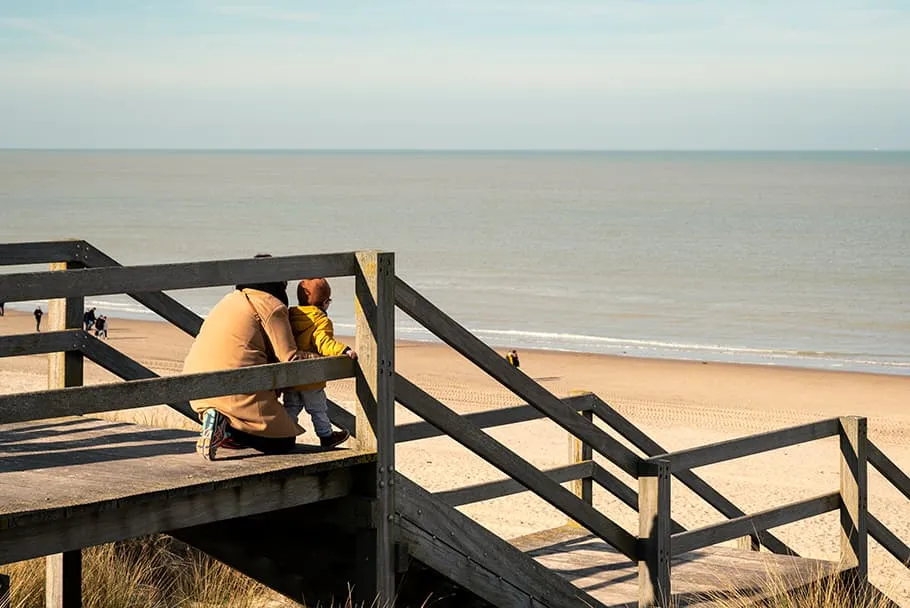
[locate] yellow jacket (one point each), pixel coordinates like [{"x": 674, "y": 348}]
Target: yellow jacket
[{"x": 314, "y": 332}]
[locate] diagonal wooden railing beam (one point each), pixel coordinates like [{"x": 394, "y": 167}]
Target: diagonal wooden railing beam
[
  {"x": 748, "y": 446},
  {"x": 41, "y": 343},
  {"x": 690, "y": 479},
  {"x": 507, "y": 487},
  {"x": 412, "y": 431},
  {"x": 160, "y": 303},
  {"x": 690, "y": 540},
  {"x": 126, "y": 368},
  {"x": 484, "y": 357},
  {"x": 138, "y": 393},
  {"x": 888, "y": 469},
  {"x": 629, "y": 497},
  {"x": 158, "y": 277},
  {"x": 887, "y": 539},
  {"x": 507, "y": 461}
]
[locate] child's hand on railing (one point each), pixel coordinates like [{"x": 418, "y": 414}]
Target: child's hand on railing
[{"x": 350, "y": 352}]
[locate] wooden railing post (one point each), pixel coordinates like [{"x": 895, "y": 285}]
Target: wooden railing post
[
  {"x": 654, "y": 534},
  {"x": 579, "y": 451},
  {"x": 63, "y": 586},
  {"x": 375, "y": 421},
  {"x": 854, "y": 501}
]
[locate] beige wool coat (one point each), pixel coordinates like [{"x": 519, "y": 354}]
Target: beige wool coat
[{"x": 231, "y": 337}]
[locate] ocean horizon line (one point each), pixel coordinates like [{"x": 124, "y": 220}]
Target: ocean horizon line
[{"x": 368, "y": 150}]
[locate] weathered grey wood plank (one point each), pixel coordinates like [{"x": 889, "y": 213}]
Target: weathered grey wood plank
[
  {"x": 481, "y": 355},
  {"x": 43, "y": 532},
  {"x": 702, "y": 488},
  {"x": 654, "y": 534},
  {"x": 888, "y": 469},
  {"x": 40, "y": 252},
  {"x": 162, "y": 304},
  {"x": 40, "y": 343},
  {"x": 463, "y": 549},
  {"x": 506, "y": 487},
  {"x": 511, "y": 464},
  {"x": 412, "y": 431},
  {"x": 159, "y": 277},
  {"x": 854, "y": 543},
  {"x": 155, "y": 391},
  {"x": 750, "y": 445},
  {"x": 742, "y": 526},
  {"x": 126, "y": 368},
  {"x": 374, "y": 290},
  {"x": 887, "y": 539}
]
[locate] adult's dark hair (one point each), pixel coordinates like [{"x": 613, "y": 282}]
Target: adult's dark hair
[{"x": 279, "y": 289}]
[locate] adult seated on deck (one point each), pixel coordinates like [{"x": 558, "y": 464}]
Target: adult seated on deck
[{"x": 249, "y": 326}]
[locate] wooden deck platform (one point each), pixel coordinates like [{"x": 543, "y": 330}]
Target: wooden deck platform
[
  {"x": 74, "y": 482},
  {"x": 595, "y": 567}
]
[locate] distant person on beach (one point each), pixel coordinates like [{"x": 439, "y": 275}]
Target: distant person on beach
[
  {"x": 314, "y": 333},
  {"x": 1, "y": 309},
  {"x": 89, "y": 319},
  {"x": 38, "y": 314},
  {"x": 512, "y": 358},
  {"x": 101, "y": 326},
  {"x": 249, "y": 326}
]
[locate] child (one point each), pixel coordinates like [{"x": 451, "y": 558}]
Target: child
[{"x": 314, "y": 332}]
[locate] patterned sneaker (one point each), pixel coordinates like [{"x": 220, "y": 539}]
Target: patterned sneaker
[
  {"x": 335, "y": 439},
  {"x": 213, "y": 435}
]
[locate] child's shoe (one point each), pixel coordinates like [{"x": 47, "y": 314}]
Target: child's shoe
[{"x": 335, "y": 439}]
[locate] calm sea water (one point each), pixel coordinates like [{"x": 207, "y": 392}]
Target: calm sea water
[{"x": 779, "y": 258}]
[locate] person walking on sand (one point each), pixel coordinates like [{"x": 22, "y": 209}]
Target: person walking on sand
[
  {"x": 101, "y": 326},
  {"x": 314, "y": 332},
  {"x": 512, "y": 358},
  {"x": 89, "y": 319},
  {"x": 38, "y": 314}
]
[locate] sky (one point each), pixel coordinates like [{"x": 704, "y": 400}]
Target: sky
[{"x": 471, "y": 74}]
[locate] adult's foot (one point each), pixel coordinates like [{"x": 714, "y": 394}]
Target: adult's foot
[{"x": 213, "y": 434}]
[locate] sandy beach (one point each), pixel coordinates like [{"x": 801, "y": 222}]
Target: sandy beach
[{"x": 679, "y": 403}]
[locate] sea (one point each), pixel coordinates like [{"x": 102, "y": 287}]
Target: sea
[{"x": 777, "y": 258}]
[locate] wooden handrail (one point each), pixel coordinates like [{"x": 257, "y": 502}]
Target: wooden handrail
[
  {"x": 125, "y": 367},
  {"x": 125, "y": 395},
  {"x": 706, "y": 536},
  {"x": 41, "y": 252},
  {"x": 481, "y": 355},
  {"x": 506, "y": 487},
  {"x": 412, "y": 431},
  {"x": 750, "y": 445},
  {"x": 690, "y": 479},
  {"x": 40, "y": 343},
  {"x": 467, "y": 434},
  {"x": 159, "y": 277},
  {"x": 888, "y": 469}
]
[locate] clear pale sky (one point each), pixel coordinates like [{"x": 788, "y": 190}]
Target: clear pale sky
[{"x": 500, "y": 74}]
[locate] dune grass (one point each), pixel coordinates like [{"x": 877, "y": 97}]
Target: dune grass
[{"x": 151, "y": 572}]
